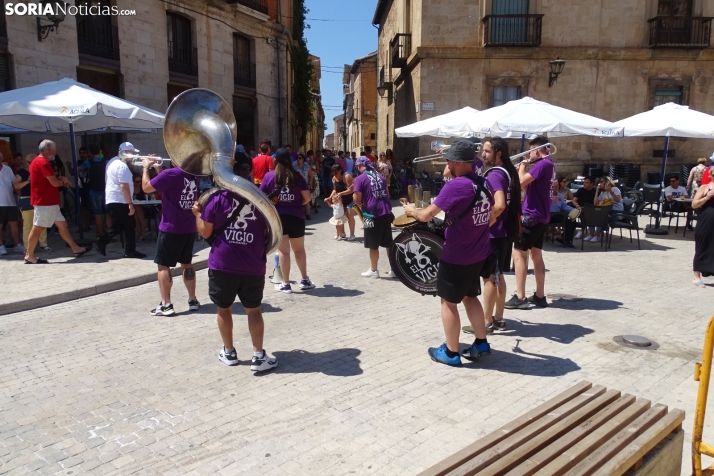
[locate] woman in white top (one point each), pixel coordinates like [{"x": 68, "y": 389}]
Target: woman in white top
[
  {"x": 695, "y": 176},
  {"x": 606, "y": 194}
]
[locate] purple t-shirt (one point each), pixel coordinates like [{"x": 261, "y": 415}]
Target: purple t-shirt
[
  {"x": 290, "y": 202},
  {"x": 373, "y": 188},
  {"x": 467, "y": 240},
  {"x": 477, "y": 166},
  {"x": 498, "y": 181},
  {"x": 540, "y": 191},
  {"x": 179, "y": 191},
  {"x": 240, "y": 248}
]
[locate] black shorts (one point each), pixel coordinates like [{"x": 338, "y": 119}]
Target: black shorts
[
  {"x": 224, "y": 287},
  {"x": 172, "y": 248},
  {"x": 501, "y": 249},
  {"x": 380, "y": 234},
  {"x": 8, "y": 214},
  {"x": 532, "y": 237},
  {"x": 293, "y": 226},
  {"x": 456, "y": 281}
]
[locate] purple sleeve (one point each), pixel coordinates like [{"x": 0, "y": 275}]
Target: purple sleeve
[
  {"x": 209, "y": 213},
  {"x": 359, "y": 184},
  {"x": 442, "y": 201},
  {"x": 160, "y": 182},
  {"x": 538, "y": 170},
  {"x": 268, "y": 183}
]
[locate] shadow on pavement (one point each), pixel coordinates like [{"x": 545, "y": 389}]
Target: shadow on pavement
[
  {"x": 586, "y": 304},
  {"x": 237, "y": 309},
  {"x": 337, "y": 362},
  {"x": 561, "y": 333},
  {"x": 524, "y": 363},
  {"x": 329, "y": 290}
]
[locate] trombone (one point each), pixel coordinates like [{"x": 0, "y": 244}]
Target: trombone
[
  {"x": 441, "y": 148},
  {"x": 550, "y": 148},
  {"x": 137, "y": 160}
]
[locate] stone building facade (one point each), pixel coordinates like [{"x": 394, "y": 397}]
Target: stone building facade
[
  {"x": 340, "y": 132},
  {"x": 436, "y": 56},
  {"x": 316, "y": 133},
  {"x": 360, "y": 87},
  {"x": 237, "y": 48}
]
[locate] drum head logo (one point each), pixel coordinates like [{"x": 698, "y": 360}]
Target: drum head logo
[{"x": 415, "y": 259}]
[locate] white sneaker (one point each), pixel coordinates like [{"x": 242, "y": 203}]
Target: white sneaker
[
  {"x": 351, "y": 238},
  {"x": 588, "y": 238},
  {"x": 596, "y": 239},
  {"x": 343, "y": 236},
  {"x": 284, "y": 288},
  {"x": 3, "y": 251},
  {"x": 578, "y": 235},
  {"x": 20, "y": 249},
  {"x": 337, "y": 237},
  {"x": 263, "y": 363},
  {"x": 228, "y": 357},
  {"x": 389, "y": 274},
  {"x": 370, "y": 274}
]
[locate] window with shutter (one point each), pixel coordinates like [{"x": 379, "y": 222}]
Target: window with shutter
[{"x": 244, "y": 112}]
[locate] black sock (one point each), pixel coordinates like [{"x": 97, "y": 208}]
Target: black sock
[
  {"x": 480, "y": 341},
  {"x": 451, "y": 354}
]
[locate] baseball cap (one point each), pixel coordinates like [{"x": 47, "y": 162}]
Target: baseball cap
[
  {"x": 463, "y": 150},
  {"x": 127, "y": 146}
]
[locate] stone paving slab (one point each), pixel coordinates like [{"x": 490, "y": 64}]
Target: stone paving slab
[
  {"x": 66, "y": 278},
  {"x": 99, "y": 386}
]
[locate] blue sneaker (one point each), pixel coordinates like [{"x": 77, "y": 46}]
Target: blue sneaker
[
  {"x": 476, "y": 351},
  {"x": 439, "y": 355}
]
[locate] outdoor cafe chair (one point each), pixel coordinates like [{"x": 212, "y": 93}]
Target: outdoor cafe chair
[
  {"x": 651, "y": 196},
  {"x": 598, "y": 216},
  {"x": 627, "y": 220}
]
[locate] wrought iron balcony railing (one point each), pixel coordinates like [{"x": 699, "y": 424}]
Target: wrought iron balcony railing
[
  {"x": 244, "y": 73},
  {"x": 401, "y": 48},
  {"x": 97, "y": 37},
  {"x": 183, "y": 60},
  {"x": 512, "y": 30},
  {"x": 257, "y": 5},
  {"x": 680, "y": 32}
]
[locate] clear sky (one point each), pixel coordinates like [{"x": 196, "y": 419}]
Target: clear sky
[{"x": 347, "y": 34}]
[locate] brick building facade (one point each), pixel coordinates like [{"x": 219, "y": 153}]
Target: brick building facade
[
  {"x": 620, "y": 60},
  {"x": 360, "y": 87}
]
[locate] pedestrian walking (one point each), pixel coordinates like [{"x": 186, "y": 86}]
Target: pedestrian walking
[
  {"x": 27, "y": 211},
  {"x": 9, "y": 212}
]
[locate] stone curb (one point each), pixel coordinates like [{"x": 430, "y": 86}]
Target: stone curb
[{"x": 29, "y": 304}]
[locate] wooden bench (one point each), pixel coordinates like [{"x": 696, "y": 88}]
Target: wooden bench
[{"x": 586, "y": 430}]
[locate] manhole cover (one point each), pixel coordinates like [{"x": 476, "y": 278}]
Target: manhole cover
[
  {"x": 564, "y": 297},
  {"x": 636, "y": 342}
]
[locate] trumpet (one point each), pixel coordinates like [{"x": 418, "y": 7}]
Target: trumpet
[
  {"x": 551, "y": 149},
  {"x": 137, "y": 160},
  {"x": 441, "y": 148}
]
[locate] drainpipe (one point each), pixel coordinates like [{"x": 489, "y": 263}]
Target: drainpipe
[{"x": 280, "y": 85}]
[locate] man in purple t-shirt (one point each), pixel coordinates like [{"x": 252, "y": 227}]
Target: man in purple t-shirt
[
  {"x": 370, "y": 191},
  {"x": 466, "y": 256},
  {"x": 177, "y": 231},
  {"x": 538, "y": 184},
  {"x": 236, "y": 266}
]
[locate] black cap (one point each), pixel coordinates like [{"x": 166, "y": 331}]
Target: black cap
[
  {"x": 473, "y": 139},
  {"x": 282, "y": 154},
  {"x": 463, "y": 150}
]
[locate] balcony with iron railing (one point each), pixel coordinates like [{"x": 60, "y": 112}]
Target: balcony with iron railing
[
  {"x": 400, "y": 48},
  {"x": 513, "y": 30},
  {"x": 680, "y": 32},
  {"x": 183, "y": 60},
  {"x": 97, "y": 38},
  {"x": 244, "y": 73},
  {"x": 257, "y": 5}
]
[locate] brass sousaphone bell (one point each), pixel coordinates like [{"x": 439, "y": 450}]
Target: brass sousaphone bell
[{"x": 200, "y": 137}]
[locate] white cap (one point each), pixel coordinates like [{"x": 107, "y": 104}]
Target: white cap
[{"x": 125, "y": 146}]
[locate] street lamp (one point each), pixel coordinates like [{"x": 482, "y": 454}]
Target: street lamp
[
  {"x": 55, "y": 18},
  {"x": 556, "y": 67},
  {"x": 384, "y": 88}
]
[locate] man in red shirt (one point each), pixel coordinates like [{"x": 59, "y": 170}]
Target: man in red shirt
[
  {"x": 368, "y": 154},
  {"x": 262, "y": 163},
  {"x": 44, "y": 196}
]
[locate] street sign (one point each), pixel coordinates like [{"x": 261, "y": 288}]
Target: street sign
[{"x": 427, "y": 106}]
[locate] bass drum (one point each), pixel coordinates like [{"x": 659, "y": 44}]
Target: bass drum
[{"x": 415, "y": 256}]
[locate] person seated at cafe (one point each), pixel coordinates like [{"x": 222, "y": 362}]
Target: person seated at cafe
[
  {"x": 584, "y": 196},
  {"x": 674, "y": 190},
  {"x": 606, "y": 195},
  {"x": 559, "y": 205}
]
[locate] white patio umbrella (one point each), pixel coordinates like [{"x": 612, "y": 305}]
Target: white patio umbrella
[
  {"x": 668, "y": 120},
  {"x": 529, "y": 116},
  {"x": 437, "y": 126},
  {"x": 66, "y": 106}
]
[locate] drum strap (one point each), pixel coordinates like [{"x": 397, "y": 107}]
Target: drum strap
[
  {"x": 480, "y": 189},
  {"x": 498, "y": 167}
]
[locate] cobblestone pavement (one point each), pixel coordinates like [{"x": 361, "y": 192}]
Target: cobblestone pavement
[{"x": 97, "y": 385}]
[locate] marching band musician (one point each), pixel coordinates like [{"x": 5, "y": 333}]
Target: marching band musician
[
  {"x": 538, "y": 183},
  {"x": 466, "y": 255},
  {"x": 236, "y": 266},
  {"x": 177, "y": 231}
]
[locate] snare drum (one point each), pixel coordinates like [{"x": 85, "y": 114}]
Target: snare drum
[{"x": 414, "y": 258}]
